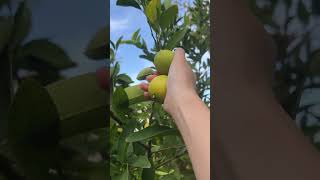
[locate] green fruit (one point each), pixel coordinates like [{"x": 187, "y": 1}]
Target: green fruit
[
  {"x": 163, "y": 60},
  {"x": 158, "y": 88}
]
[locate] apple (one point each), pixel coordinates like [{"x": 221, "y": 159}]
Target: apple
[
  {"x": 162, "y": 61},
  {"x": 158, "y": 88}
]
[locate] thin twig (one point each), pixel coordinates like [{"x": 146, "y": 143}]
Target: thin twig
[
  {"x": 115, "y": 118},
  {"x": 170, "y": 160},
  {"x": 168, "y": 148}
]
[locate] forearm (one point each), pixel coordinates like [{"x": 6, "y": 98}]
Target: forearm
[
  {"x": 257, "y": 136},
  {"x": 192, "y": 117},
  {"x": 260, "y": 139}
]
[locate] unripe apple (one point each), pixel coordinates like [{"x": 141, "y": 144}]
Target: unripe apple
[
  {"x": 158, "y": 88},
  {"x": 103, "y": 78},
  {"x": 163, "y": 60}
]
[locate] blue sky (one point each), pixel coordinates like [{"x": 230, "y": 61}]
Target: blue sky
[{"x": 123, "y": 22}]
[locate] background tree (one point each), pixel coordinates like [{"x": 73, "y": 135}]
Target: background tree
[
  {"x": 293, "y": 24},
  {"x": 145, "y": 143}
]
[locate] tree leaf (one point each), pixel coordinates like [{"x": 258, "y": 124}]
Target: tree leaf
[
  {"x": 141, "y": 162},
  {"x": 153, "y": 11},
  {"x": 167, "y": 4},
  {"x": 119, "y": 41},
  {"x": 168, "y": 17},
  {"x": 176, "y": 38},
  {"x": 48, "y": 52},
  {"x": 115, "y": 70},
  {"x": 124, "y": 78},
  {"x": 120, "y": 102},
  {"x": 34, "y": 131},
  {"x": 135, "y": 35},
  {"x": 22, "y": 24},
  {"x": 124, "y": 176},
  {"x": 135, "y": 94},
  {"x": 131, "y": 3},
  {"x": 81, "y": 104},
  {"x": 144, "y": 73},
  {"x": 97, "y": 48},
  {"x": 150, "y": 132},
  {"x": 148, "y": 174}
]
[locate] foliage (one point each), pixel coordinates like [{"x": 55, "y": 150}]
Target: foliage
[
  {"x": 57, "y": 127},
  {"x": 297, "y": 72},
  {"x": 145, "y": 143}
]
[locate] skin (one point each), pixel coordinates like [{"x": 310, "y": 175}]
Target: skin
[
  {"x": 254, "y": 137},
  {"x": 190, "y": 114}
]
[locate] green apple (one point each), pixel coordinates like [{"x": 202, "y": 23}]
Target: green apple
[
  {"x": 163, "y": 60},
  {"x": 158, "y": 88}
]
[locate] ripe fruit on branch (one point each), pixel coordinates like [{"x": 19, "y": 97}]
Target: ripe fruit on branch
[
  {"x": 158, "y": 88},
  {"x": 163, "y": 60}
]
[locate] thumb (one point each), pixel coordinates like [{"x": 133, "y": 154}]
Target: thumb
[{"x": 179, "y": 56}]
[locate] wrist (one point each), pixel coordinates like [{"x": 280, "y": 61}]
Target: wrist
[{"x": 173, "y": 105}]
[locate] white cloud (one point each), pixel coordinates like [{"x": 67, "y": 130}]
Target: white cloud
[{"x": 118, "y": 25}]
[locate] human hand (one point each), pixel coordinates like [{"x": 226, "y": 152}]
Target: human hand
[{"x": 180, "y": 83}]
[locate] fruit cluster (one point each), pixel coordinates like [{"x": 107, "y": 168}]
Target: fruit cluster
[{"x": 158, "y": 86}]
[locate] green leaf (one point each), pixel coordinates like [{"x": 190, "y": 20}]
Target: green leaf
[
  {"x": 140, "y": 162},
  {"x": 129, "y": 3},
  {"x": 119, "y": 41},
  {"x": 168, "y": 17},
  {"x": 176, "y": 38},
  {"x": 148, "y": 174},
  {"x": 5, "y": 31},
  {"x": 124, "y": 78},
  {"x": 34, "y": 131},
  {"x": 169, "y": 177},
  {"x": 48, "y": 52},
  {"x": 135, "y": 35},
  {"x": 150, "y": 132},
  {"x": 81, "y": 104},
  {"x": 149, "y": 57},
  {"x": 98, "y": 46},
  {"x": 167, "y": 4},
  {"x": 153, "y": 11},
  {"x": 115, "y": 70},
  {"x": 120, "y": 102},
  {"x": 124, "y": 176},
  {"x": 135, "y": 94},
  {"x": 144, "y": 73},
  {"x": 22, "y": 24}
]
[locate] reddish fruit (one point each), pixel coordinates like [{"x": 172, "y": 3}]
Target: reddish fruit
[{"x": 103, "y": 78}]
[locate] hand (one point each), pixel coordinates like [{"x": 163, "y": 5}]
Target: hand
[{"x": 181, "y": 82}]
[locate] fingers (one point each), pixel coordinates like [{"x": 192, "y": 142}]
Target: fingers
[
  {"x": 144, "y": 86},
  {"x": 146, "y": 95},
  {"x": 179, "y": 54},
  {"x": 150, "y": 77}
]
